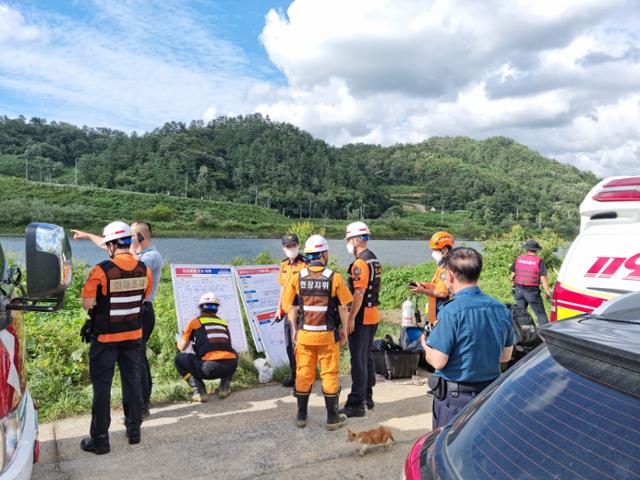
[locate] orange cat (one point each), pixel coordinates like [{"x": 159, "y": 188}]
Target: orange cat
[{"x": 377, "y": 436}]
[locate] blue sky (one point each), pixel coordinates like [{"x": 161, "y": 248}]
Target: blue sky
[{"x": 560, "y": 77}]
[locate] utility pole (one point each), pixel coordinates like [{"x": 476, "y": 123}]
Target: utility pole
[
  {"x": 309, "y": 208},
  {"x": 442, "y": 213},
  {"x": 76, "y": 173},
  {"x": 26, "y": 169},
  {"x": 186, "y": 182},
  {"x": 256, "y": 201}
]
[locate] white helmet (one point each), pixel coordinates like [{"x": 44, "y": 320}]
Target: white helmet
[
  {"x": 115, "y": 231},
  {"x": 316, "y": 244},
  {"x": 357, "y": 229},
  {"x": 208, "y": 297}
]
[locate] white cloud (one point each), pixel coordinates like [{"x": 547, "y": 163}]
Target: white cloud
[
  {"x": 132, "y": 66},
  {"x": 562, "y": 77}
]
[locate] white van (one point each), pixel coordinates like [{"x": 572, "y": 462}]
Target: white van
[{"x": 604, "y": 259}]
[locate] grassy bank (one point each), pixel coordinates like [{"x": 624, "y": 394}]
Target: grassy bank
[
  {"x": 57, "y": 359},
  {"x": 89, "y": 208}
]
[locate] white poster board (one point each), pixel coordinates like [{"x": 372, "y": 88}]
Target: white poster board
[
  {"x": 260, "y": 293},
  {"x": 191, "y": 281}
]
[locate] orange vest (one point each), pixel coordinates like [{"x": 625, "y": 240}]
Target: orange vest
[{"x": 319, "y": 310}]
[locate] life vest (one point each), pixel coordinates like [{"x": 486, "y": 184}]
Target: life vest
[
  {"x": 527, "y": 270},
  {"x": 119, "y": 310},
  {"x": 318, "y": 308},
  {"x": 375, "y": 271},
  {"x": 212, "y": 336}
]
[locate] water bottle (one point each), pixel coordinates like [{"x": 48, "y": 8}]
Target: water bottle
[{"x": 407, "y": 313}]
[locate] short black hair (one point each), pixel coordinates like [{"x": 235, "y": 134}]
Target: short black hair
[
  {"x": 146, "y": 224},
  {"x": 464, "y": 263}
]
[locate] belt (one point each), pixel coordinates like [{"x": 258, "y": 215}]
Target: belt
[{"x": 467, "y": 387}]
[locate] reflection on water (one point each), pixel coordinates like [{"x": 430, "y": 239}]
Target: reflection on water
[{"x": 223, "y": 250}]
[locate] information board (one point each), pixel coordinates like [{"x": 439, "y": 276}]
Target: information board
[
  {"x": 191, "y": 281},
  {"x": 260, "y": 293}
]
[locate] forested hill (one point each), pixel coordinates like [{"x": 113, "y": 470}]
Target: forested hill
[{"x": 251, "y": 159}]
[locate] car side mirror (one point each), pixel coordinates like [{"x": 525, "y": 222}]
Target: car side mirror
[{"x": 49, "y": 267}]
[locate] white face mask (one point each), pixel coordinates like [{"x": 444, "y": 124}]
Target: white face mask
[
  {"x": 351, "y": 248},
  {"x": 437, "y": 256},
  {"x": 291, "y": 253}
]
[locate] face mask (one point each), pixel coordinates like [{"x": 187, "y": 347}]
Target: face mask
[
  {"x": 437, "y": 256},
  {"x": 351, "y": 248},
  {"x": 291, "y": 252}
]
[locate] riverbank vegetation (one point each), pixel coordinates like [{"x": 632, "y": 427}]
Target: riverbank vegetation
[
  {"x": 57, "y": 359},
  {"x": 492, "y": 184}
]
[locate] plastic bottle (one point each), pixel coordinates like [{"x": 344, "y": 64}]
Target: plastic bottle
[{"x": 408, "y": 319}]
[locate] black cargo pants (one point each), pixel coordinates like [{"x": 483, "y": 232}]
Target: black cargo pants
[
  {"x": 148, "y": 317},
  {"x": 531, "y": 296},
  {"x": 363, "y": 369},
  {"x": 289, "y": 346},
  {"x": 102, "y": 360}
]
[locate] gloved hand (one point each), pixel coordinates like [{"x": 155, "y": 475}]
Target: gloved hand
[
  {"x": 86, "y": 331},
  {"x": 277, "y": 319}
]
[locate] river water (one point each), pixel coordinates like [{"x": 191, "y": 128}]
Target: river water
[{"x": 223, "y": 250}]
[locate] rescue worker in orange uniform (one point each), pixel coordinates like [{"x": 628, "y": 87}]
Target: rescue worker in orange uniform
[
  {"x": 288, "y": 267},
  {"x": 317, "y": 300},
  {"x": 437, "y": 290},
  {"x": 114, "y": 292},
  {"x": 364, "y": 282},
  {"x": 214, "y": 355}
]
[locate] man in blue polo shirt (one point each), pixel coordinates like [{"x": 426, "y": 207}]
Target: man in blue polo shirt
[{"x": 472, "y": 336}]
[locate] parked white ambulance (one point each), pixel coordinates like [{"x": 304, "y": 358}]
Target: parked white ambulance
[{"x": 604, "y": 259}]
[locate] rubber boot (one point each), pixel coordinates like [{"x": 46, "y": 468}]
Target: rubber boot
[
  {"x": 224, "y": 389},
  {"x": 98, "y": 445},
  {"x": 303, "y": 403},
  {"x": 335, "y": 420}
]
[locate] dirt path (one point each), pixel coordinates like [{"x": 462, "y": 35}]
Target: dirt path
[{"x": 251, "y": 434}]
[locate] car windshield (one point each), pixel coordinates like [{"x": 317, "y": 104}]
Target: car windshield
[{"x": 545, "y": 421}]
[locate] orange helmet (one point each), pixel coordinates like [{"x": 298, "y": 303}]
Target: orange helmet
[{"x": 439, "y": 240}]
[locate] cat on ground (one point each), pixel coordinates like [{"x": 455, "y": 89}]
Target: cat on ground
[{"x": 377, "y": 436}]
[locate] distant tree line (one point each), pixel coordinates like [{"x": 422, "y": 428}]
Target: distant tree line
[{"x": 251, "y": 159}]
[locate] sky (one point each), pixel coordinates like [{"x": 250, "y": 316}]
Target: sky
[{"x": 562, "y": 77}]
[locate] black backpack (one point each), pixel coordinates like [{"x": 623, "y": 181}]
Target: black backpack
[{"x": 525, "y": 330}]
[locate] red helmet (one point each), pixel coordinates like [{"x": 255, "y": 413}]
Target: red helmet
[{"x": 439, "y": 240}]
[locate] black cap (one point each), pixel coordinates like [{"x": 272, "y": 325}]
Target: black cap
[
  {"x": 290, "y": 238},
  {"x": 531, "y": 245}
]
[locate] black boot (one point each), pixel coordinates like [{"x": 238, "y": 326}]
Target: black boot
[
  {"x": 224, "y": 389},
  {"x": 370, "y": 403},
  {"x": 353, "y": 410},
  {"x": 335, "y": 419},
  {"x": 303, "y": 403},
  {"x": 133, "y": 434},
  {"x": 98, "y": 445}
]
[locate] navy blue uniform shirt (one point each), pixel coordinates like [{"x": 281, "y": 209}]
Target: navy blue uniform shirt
[{"x": 472, "y": 330}]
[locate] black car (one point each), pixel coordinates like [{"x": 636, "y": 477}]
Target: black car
[{"x": 570, "y": 409}]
